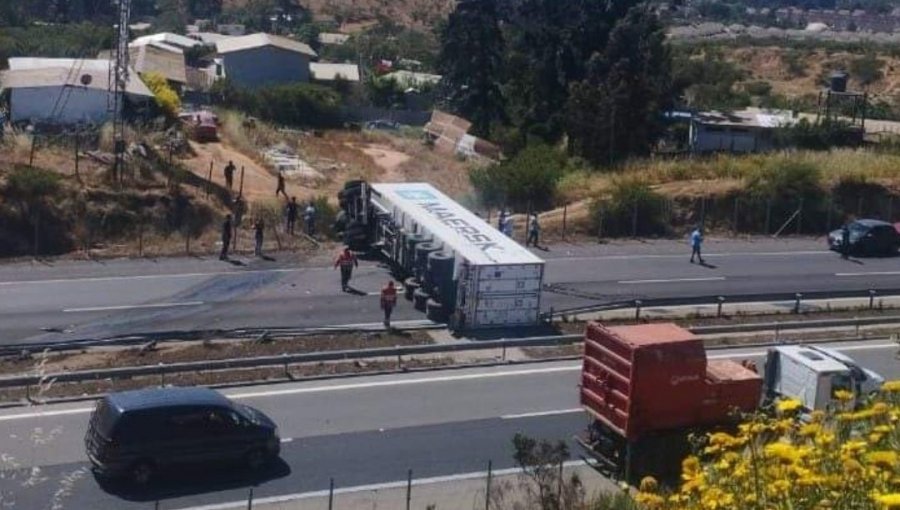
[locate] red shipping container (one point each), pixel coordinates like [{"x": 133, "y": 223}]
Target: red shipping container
[{"x": 655, "y": 377}]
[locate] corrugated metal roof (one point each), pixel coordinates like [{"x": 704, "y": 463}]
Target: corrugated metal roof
[
  {"x": 151, "y": 58},
  {"x": 52, "y": 74},
  {"x": 167, "y": 38},
  {"x": 324, "y": 71},
  {"x": 88, "y": 64},
  {"x": 411, "y": 79},
  {"x": 750, "y": 117},
  {"x": 260, "y": 40},
  {"x": 210, "y": 37}
]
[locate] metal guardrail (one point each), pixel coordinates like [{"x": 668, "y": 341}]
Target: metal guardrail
[
  {"x": 283, "y": 360},
  {"x": 795, "y": 325},
  {"x": 721, "y": 298}
]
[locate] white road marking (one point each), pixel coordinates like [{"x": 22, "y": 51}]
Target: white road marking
[
  {"x": 539, "y": 414},
  {"x": 673, "y": 280},
  {"x": 404, "y": 382},
  {"x": 132, "y": 307},
  {"x": 42, "y": 414},
  {"x": 273, "y": 500},
  {"x": 287, "y": 440},
  {"x": 873, "y": 273},
  {"x": 161, "y": 276},
  {"x": 681, "y": 256}
]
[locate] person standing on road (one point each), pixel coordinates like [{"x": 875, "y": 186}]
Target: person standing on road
[
  {"x": 229, "y": 174},
  {"x": 291, "y": 214},
  {"x": 281, "y": 188},
  {"x": 226, "y": 237},
  {"x": 259, "y": 232},
  {"x": 346, "y": 261},
  {"x": 508, "y": 226},
  {"x": 845, "y": 241},
  {"x": 309, "y": 218},
  {"x": 388, "y": 302},
  {"x": 501, "y": 221},
  {"x": 696, "y": 244},
  {"x": 534, "y": 231}
]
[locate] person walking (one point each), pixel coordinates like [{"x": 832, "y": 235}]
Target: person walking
[
  {"x": 508, "y": 226},
  {"x": 845, "y": 241},
  {"x": 696, "y": 244},
  {"x": 229, "y": 174},
  {"x": 346, "y": 261},
  {"x": 501, "y": 221},
  {"x": 226, "y": 237},
  {"x": 281, "y": 188},
  {"x": 291, "y": 215},
  {"x": 259, "y": 232},
  {"x": 388, "y": 302},
  {"x": 534, "y": 231},
  {"x": 309, "y": 219}
]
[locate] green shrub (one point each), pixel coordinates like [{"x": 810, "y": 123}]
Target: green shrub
[
  {"x": 632, "y": 208},
  {"x": 299, "y": 104},
  {"x": 527, "y": 180},
  {"x": 758, "y": 88}
]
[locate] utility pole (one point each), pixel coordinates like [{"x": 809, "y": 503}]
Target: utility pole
[{"x": 118, "y": 82}]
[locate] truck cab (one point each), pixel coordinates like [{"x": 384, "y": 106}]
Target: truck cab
[{"x": 813, "y": 374}]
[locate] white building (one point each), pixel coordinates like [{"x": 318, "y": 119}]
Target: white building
[
  {"x": 750, "y": 130},
  {"x": 63, "y": 91},
  {"x": 329, "y": 73}
]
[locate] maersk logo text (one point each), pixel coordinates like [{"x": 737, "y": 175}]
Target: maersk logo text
[{"x": 461, "y": 226}]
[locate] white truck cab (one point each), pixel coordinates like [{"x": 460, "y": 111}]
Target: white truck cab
[{"x": 813, "y": 374}]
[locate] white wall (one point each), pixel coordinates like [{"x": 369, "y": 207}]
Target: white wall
[
  {"x": 75, "y": 104},
  {"x": 729, "y": 139}
]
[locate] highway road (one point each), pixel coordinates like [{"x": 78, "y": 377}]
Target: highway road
[
  {"x": 361, "y": 431},
  {"x": 83, "y": 299}
]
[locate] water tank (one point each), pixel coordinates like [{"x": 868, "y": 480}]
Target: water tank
[{"x": 838, "y": 81}]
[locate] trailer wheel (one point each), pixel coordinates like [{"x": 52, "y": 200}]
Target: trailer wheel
[
  {"x": 435, "y": 311},
  {"x": 410, "y": 286},
  {"x": 420, "y": 300}
]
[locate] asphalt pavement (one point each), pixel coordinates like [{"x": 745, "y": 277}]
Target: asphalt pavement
[
  {"x": 64, "y": 300},
  {"x": 359, "y": 431}
]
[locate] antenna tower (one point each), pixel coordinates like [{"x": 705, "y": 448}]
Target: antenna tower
[{"x": 118, "y": 81}]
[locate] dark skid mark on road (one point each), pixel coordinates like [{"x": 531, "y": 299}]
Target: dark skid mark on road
[{"x": 219, "y": 288}]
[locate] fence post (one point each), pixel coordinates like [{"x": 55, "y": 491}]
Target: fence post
[
  {"x": 241, "y": 188},
  {"x": 141, "y": 238},
  {"x": 250, "y": 500},
  {"x": 637, "y": 309},
  {"x": 703, "y": 211},
  {"x": 559, "y": 494},
  {"x": 859, "y": 206},
  {"x": 735, "y": 223},
  {"x": 31, "y": 156},
  {"x": 77, "y": 140},
  {"x": 600, "y": 226},
  {"x": 828, "y": 212},
  {"x": 768, "y": 214},
  {"x": 487, "y": 491},
  {"x": 872, "y": 293},
  {"x": 331, "y": 494},
  {"x": 565, "y": 217},
  {"x": 209, "y": 178},
  {"x": 408, "y": 489},
  {"x": 797, "y": 297},
  {"x": 37, "y": 232},
  {"x": 634, "y": 220},
  {"x": 890, "y": 215},
  {"x": 800, "y": 217},
  {"x": 721, "y": 300}
]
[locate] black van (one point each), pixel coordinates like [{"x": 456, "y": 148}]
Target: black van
[{"x": 136, "y": 433}]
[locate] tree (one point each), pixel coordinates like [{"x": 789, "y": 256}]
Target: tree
[
  {"x": 471, "y": 63},
  {"x": 166, "y": 97},
  {"x": 542, "y": 463},
  {"x": 616, "y": 111},
  {"x": 551, "y": 43}
]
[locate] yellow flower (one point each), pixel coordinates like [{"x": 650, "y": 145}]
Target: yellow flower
[
  {"x": 810, "y": 430},
  {"x": 843, "y": 395},
  {"x": 891, "y": 386},
  {"x": 891, "y": 501},
  {"x": 886, "y": 459},
  {"x": 784, "y": 452},
  {"x": 788, "y": 405},
  {"x": 854, "y": 446},
  {"x": 650, "y": 501}
]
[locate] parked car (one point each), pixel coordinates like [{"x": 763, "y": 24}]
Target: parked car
[
  {"x": 868, "y": 237},
  {"x": 137, "y": 434},
  {"x": 202, "y": 125},
  {"x": 383, "y": 124}
]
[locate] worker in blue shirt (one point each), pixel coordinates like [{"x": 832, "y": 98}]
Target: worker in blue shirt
[{"x": 696, "y": 243}]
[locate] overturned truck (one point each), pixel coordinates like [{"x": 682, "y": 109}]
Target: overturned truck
[{"x": 456, "y": 267}]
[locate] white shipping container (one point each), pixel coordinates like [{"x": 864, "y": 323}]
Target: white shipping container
[{"x": 499, "y": 280}]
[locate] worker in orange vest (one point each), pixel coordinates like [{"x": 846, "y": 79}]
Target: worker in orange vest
[
  {"x": 388, "y": 301},
  {"x": 346, "y": 261}
]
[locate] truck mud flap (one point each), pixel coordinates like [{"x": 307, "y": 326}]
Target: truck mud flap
[{"x": 607, "y": 465}]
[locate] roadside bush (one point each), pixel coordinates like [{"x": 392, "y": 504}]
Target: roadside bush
[
  {"x": 631, "y": 209},
  {"x": 841, "y": 459},
  {"x": 299, "y": 104},
  {"x": 528, "y": 180},
  {"x": 166, "y": 97},
  {"x": 758, "y": 88}
]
